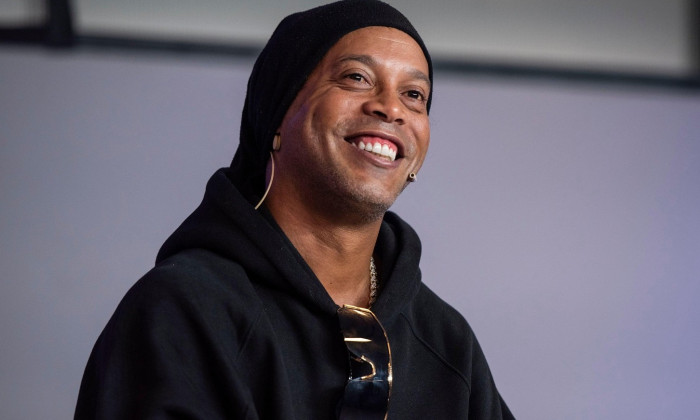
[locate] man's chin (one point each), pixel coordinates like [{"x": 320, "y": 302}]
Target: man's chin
[
  {"x": 371, "y": 207},
  {"x": 363, "y": 200}
]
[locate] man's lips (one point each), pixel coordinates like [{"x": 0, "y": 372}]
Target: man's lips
[{"x": 379, "y": 144}]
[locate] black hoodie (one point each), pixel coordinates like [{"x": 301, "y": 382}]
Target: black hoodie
[{"x": 233, "y": 324}]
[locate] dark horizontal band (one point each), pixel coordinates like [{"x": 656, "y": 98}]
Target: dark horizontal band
[{"x": 38, "y": 36}]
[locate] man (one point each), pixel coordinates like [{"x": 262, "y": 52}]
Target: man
[{"x": 291, "y": 292}]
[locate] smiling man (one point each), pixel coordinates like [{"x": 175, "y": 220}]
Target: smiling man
[
  {"x": 350, "y": 141},
  {"x": 291, "y": 292}
]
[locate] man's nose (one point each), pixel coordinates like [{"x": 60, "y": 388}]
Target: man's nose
[{"x": 385, "y": 105}]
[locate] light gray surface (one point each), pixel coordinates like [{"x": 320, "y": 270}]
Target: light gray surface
[
  {"x": 562, "y": 221},
  {"x": 630, "y": 35}
]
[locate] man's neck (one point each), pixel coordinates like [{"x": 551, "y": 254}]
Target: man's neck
[{"x": 337, "y": 250}]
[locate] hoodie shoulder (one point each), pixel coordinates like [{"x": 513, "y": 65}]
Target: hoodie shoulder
[
  {"x": 442, "y": 328},
  {"x": 195, "y": 287},
  {"x": 174, "y": 344},
  {"x": 444, "y": 332}
]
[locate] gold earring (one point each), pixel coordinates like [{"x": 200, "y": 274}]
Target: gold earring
[
  {"x": 412, "y": 177},
  {"x": 276, "y": 142}
]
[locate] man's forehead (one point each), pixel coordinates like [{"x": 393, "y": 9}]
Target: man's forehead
[
  {"x": 370, "y": 45},
  {"x": 371, "y": 34},
  {"x": 394, "y": 40}
]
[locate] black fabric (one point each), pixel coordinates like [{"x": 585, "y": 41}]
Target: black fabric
[
  {"x": 292, "y": 53},
  {"x": 232, "y": 324}
]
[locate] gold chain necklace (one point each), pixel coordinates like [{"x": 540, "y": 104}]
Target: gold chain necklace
[{"x": 372, "y": 282}]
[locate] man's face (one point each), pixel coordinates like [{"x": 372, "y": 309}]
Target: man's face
[{"x": 370, "y": 91}]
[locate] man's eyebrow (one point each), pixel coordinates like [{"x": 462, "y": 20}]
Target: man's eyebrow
[
  {"x": 370, "y": 61},
  {"x": 365, "y": 59}
]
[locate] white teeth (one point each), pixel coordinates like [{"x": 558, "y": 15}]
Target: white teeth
[{"x": 377, "y": 148}]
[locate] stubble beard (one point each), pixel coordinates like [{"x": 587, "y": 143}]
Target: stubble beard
[{"x": 344, "y": 197}]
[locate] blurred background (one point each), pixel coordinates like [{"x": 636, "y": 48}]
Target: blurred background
[{"x": 558, "y": 207}]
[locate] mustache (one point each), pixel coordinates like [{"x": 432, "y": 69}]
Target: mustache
[{"x": 358, "y": 125}]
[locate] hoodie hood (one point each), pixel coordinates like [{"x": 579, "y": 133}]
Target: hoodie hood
[{"x": 225, "y": 224}]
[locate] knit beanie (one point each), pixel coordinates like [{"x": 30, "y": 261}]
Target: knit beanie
[{"x": 294, "y": 50}]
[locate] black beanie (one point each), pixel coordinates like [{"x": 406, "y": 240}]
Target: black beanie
[{"x": 294, "y": 50}]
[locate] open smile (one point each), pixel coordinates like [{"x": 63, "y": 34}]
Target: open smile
[{"x": 374, "y": 144}]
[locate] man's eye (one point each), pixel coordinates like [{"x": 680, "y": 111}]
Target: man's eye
[
  {"x": 356, "y": 77},
  {"x": 414, "y": 94}
]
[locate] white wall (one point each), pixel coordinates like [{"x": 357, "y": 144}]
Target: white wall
[{"x": 561, "y": 220}]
